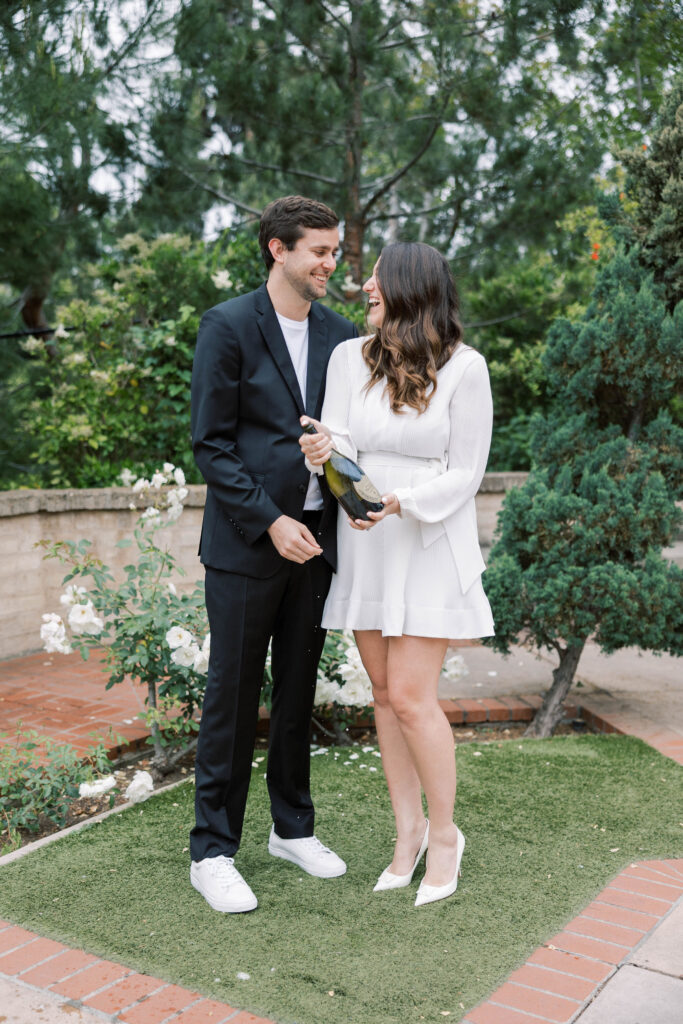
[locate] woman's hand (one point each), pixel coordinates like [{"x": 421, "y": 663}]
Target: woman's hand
[
  {"x": 316, "y": 447},
  {"x": 392, "y": 507}
]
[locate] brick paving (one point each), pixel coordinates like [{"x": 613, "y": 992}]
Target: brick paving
[
  {"x": 118, "y": 992},
  {"x": 64, "y": 698},
  {"x": 564, "y": 975}
]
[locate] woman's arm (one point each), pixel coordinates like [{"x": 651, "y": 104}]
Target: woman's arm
[{"x": 471, "y": 416}]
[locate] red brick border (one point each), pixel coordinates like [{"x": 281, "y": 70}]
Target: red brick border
[
  {"x": 666, "y": 741},
  {"x": 566, "y": 973},
  {"x": 111, "y": 988}
]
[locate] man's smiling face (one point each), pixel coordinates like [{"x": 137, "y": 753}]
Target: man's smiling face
[{"x": 308, "y": 266}]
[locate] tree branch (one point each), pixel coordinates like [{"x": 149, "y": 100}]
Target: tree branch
[
  {"x": 283, "y": 170},
  {"x": 403, "y": 170},
  {"x": 219, "y": 195},
  {"x": 408, "y": 213},
  {"x": 499, "y": 319},
  {"x": 132, "y": 40}
]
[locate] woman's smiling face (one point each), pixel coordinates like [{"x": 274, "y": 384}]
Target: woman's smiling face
[{"x": 375, "y": 299}]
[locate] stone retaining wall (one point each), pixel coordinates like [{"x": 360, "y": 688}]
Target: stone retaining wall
[{"x": 31, "y": 585}]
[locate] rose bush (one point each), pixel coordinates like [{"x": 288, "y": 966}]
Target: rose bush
[{"x": 128, "y": 621}]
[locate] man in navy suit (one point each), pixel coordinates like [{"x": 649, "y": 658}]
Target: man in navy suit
[{"x": 268, "y": 545}]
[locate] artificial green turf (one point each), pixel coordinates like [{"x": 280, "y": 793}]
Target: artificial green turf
[{"x": 542, "y": 821}]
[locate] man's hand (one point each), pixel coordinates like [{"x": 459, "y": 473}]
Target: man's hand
[{"x": 293, "y": 540}]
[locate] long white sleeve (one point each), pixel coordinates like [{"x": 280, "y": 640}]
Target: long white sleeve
[
  {"x": 471, "y": 421},
  {"x": 335, "y": 411}
]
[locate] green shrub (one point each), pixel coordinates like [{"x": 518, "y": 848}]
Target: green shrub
[
  {"x": 39, "y": 779},
  {"x": 114, "y": 390}
]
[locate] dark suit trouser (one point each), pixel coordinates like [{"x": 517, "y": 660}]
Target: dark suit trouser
[{"x": 243, "y": 615}]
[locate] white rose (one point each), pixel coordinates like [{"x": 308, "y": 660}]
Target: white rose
[
  {"x": 82, "y": 619},
  {"x": 158, "y": 480},
  {"x": 179, "y": 477},
  {"x": 222, "y": 279},
  {"x": 168, "y": 468},
  {"x": 140, "y": 485},
  {"x": 53, "y": 634},
  {"x": 201, "y": 662},
  {"x": 176, "y": 495},
  {"x": 326, "y": 692},
  {"x": 140, "y": 787},
  {"x": 355, "y": 692},
  {"x": 185, "y": 656},
  {"x": 150, "y": 513},
  {"x": 173, "y": 512},
  {"x": 178, "y": 637},
  {"x": 126, "y": 476},
  {"x": 73, "y": 595},
  {"x": 172, "y": 589},
  {"x": 454, "y": 667},
  {"x": 97, "y": 787},
  {"x": 206, "y": 646}
]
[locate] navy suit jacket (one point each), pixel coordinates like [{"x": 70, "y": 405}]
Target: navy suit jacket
[{"x": 246, "y": 405}]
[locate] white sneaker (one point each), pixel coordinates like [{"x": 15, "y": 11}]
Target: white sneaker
[
  {"x": 309, "y": 854},
  {"x": 221, "y": 885}
]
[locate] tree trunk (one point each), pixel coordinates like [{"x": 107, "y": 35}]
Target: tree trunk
[
  {"x": 31, "y": 303},
  {"x": 354, "y": 225},
  {"x": 550, "y": 712}
]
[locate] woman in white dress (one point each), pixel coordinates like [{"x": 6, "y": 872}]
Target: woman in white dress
[{"x": 411, "y": 404}]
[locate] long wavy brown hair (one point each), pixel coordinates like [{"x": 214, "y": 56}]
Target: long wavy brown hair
[{"x": 421, "y": 327}]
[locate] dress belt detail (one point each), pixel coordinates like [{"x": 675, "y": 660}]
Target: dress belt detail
[{"x": 382, "y": 458}]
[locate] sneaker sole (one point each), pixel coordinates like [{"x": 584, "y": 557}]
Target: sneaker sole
[
  {"x": 275, "y": 852},
  {"x": 241, "y": 907}
]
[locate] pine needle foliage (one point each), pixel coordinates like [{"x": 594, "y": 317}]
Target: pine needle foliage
[
  {"x": 579, "y": 546},
  {"x": 656, "y": 181}
]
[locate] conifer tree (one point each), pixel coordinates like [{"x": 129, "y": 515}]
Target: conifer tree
[
  {"x": 579, "y": 548},
  {"x": 655, "y": 181}
]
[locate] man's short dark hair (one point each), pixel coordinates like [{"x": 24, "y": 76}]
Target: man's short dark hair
[{"x": 287, "y": 219}]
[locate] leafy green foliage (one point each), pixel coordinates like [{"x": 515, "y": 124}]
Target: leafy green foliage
[
  {"x": 39, "y": 779},
  {"x": 114, "y": 390}
]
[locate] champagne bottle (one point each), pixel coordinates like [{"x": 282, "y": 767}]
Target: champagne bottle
[{"x": 352, "y": 488}]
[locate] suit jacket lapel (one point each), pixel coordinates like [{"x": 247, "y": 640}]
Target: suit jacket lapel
[
  {"x": 317, "y": 359},
  {"x": 274, "y": 339}
]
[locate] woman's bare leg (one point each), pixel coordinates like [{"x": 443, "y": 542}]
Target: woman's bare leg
[
  {"x": 402, "y": 779},
  {"x": 413, "y": 667}
]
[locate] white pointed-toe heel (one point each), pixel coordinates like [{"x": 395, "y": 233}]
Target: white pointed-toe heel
[
  {"x": 432, "y": 893},
  {"x": 387, "y": 880}
]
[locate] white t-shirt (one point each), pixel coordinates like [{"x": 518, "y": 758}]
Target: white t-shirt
[{"x": 296, "y": 338}]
